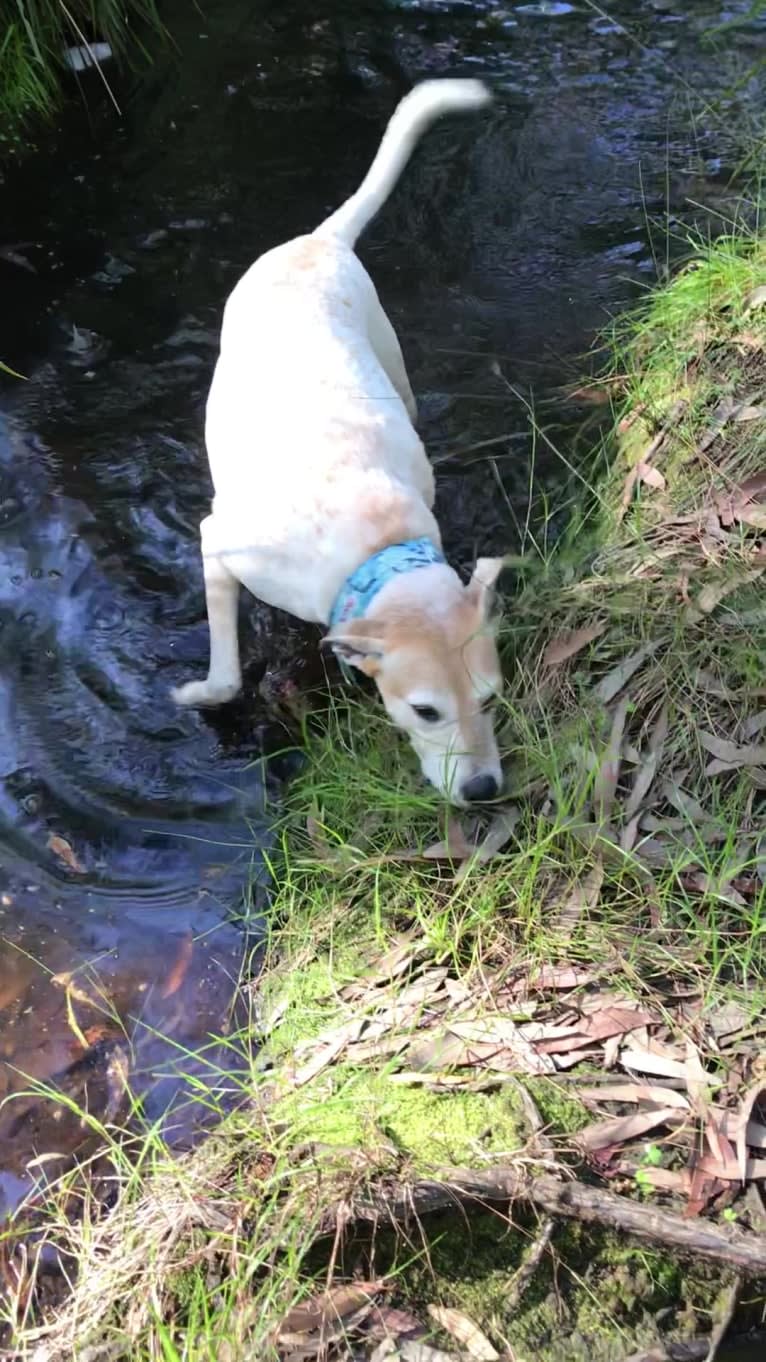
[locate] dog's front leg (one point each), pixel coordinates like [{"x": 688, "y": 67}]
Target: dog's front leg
[{"x": 224, "y": 677}]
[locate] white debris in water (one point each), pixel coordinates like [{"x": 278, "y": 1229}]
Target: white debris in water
[{"x": 81, "y": 58}]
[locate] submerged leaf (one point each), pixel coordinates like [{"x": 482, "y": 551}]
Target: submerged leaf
[
  {"x": 180, "y": 967},
  {"x": 63, "y": 850}
]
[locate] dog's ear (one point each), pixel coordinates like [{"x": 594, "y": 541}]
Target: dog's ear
[
  {"x": 359, "y": 643},
  {"x": 482, "y": 584}
]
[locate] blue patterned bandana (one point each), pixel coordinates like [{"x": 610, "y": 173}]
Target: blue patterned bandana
[{"x": 360, "y": 589}]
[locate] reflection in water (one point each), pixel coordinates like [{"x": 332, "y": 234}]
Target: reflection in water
[{"x": 128, "y": 828}]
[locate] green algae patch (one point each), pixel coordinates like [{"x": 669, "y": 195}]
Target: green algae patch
[{"x": 398, "y": 1126}]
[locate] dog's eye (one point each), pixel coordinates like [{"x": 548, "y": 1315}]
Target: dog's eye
[{"x": 427, "y": 712}]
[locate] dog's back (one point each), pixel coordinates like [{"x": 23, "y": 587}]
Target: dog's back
[{"x": 310, "y": 368}]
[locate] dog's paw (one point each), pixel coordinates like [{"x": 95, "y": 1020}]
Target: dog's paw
[{"x": 200, "y": 693}]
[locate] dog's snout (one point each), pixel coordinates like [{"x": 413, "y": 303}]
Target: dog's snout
[{"x": 479, "y": 788}]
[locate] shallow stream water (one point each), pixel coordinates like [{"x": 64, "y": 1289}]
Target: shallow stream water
[{"x": 129, "y": 831}]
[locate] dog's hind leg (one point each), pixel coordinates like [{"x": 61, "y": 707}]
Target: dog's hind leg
[
  {"x": 385, "y": 343},
  {"x": 224, "y": 678}
]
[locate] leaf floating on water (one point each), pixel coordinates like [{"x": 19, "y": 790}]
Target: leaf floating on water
[
  {"x": 465, "y": 1332},
  {"x": 569, "y": 644},
  {"x": 63, "y": 850}
]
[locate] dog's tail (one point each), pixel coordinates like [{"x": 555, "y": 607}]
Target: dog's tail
[{"x": 411, "y": 118}]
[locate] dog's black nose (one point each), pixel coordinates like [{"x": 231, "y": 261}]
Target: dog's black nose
[{"x": 479, "y": 788}]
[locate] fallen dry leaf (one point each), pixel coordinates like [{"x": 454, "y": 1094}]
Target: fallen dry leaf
[
  {"x": 742, "y": 1122},
  {"x": 726, "y": 411},
  {"x": 63, "y": 850},
  {"x": 325, "y": 1050},
  {"x": 650, "y": 476},
  {"x": 650, "y": 1062},
  {"x": 465, "y": 1332},
  {"x": 752, "y": 726},
  {"x": 728, "y": 1122},
  {"x": 755, "y": 298},
  {"x": 613, "y": 682},
  {"x": 663, "y": 1180},
  {"x": 499, "y": 832},
  {"x": 390, "y": 1322},
  {"x": 729, "y": 1170},
  {"x": 328, "y": 1307},
  {"x": 412, "y": 1351},
  {"x": 583, "y": 896},
  {"x": 715, "y": 592},
  {"x": 568, "y": 644},
  {"x": 513, "y": 1050},
  {"x": 634, "y": 1092},
  {"x": 648, "y": 769},
  {"x": 730, "y": 755},
  {"x": 605, "y": 784},
  {"x": 618, "y": 1129}
]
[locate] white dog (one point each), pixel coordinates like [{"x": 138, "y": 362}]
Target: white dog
[{"x": 323, "y": 492}]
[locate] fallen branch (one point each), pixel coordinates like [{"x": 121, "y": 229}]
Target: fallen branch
[{"x": 398, "y": 1202}]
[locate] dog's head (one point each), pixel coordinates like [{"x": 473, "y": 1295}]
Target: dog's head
[{"x": 429, "y": 645}]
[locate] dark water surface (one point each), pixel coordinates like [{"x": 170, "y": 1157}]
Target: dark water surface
[{"x": 128, "y": 829}]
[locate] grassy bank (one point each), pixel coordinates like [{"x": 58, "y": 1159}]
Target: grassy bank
[
  {"x": 479, "y": 1052},
  {"x": 34, "y": 36}
]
